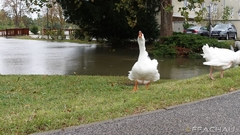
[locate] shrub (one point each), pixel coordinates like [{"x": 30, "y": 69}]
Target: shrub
[
  {"x": 79, "y": 34},
  {"x": 184, "y": 45},
  {"x": 34, "y": 29},
  {"x": 163, "y": 50}
]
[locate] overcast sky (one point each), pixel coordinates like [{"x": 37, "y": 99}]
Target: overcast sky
[
  {"x": 34, "y": 15},
  {"x": 1, "y": 1}
]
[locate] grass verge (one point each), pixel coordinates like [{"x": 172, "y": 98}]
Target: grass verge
[{"x": 36, "y": 103}]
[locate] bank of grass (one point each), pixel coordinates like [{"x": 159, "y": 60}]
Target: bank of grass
[{"x": 37, "y": 103}]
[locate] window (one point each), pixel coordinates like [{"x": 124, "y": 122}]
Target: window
[
  {"x": 185, "y": 3},
  {"x": 231, "y": 11},
  {"x": 215, "y": 6}
]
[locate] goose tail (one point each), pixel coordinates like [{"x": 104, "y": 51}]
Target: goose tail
[{"x": 206, "y": 52}]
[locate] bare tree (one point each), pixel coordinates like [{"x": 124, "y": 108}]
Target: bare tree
[
  {"x": 55, "y": 13},
  {"x": 54, "y": 18},
  {"x": 16, "y": 9},
  {"x": 166, "y": 9},
  {"x": 4, "y": 18},
  {"x": 60, "y": 19}
]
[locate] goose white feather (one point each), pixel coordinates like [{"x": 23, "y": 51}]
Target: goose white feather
[
  {"x": 220, "y": 58},
  {"x": 144, "y": 70}
]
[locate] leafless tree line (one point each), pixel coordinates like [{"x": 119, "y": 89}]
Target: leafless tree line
[{"x": 16, "y": 9}]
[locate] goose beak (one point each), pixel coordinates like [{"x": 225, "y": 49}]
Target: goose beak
[{"x": 140, "y": 34}]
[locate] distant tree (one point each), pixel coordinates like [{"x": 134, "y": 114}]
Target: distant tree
[
  {"x": 100, "y": 18},
  {"x": 55, "y": 17},
  {"x": 131, "y": 8},
  {"x": 226, "y": 14},
  {"x": 165, "y": 7},
  {"x": 148, "y": 24},
  {"x": 34, "y": 29},
  {"x": 5, "y": 20},
  {"x": 16, "y": 8},
  {"x": 27, "y": 21},
  {"x": 191, "y": 5}
]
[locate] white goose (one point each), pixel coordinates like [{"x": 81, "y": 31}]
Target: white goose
[
  {"x": 220, "y": 58},
  {"x": 144, "y": 70}
]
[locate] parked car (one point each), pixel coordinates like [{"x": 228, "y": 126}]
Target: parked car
[
  {"x": 225, "y": 31},
  {"x": 201, "y": 30}
]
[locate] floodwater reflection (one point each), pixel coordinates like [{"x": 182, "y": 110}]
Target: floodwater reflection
[{"x": 28, "y": 57}]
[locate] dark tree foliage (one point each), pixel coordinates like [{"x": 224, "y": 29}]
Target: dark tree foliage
[
  {"x": 100, "y": 19},
  {"x": 34, "y": 29}
]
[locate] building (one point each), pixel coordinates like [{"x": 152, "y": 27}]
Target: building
[{"x": 216, "y": 11}]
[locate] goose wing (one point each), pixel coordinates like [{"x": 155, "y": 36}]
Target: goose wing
[{"x": 218, "y": 56}]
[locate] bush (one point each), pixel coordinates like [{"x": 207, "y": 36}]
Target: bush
[
  {"x": 79, "y": 34},
  {"x": 34, "y": 29},
  {"x": 184, "y": 45}
]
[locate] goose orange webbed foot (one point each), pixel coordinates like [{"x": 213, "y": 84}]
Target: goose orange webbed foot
[
  {"x": 147, "y": 85},
  {"x": 212, "y": 78},
  {"x": 135, "y": 88}
]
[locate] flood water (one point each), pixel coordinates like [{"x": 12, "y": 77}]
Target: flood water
[{"x": 27, "y": 57}]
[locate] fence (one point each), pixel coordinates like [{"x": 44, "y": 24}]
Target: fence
[
  {"x": 46, "y": 31},
  {"x": 14, "y": 32},
  {"x": 2, "y": 33}
]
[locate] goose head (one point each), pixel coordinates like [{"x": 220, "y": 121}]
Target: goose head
[{"x": 141, "y": 36}]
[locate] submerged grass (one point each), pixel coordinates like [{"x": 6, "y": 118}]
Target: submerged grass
[{"x": 36, "y": 103}]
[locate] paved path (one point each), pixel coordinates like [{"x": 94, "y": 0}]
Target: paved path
[{"x": 217, "y": 115}]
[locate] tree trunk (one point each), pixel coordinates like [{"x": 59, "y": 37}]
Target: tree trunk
[{"x": 166, "y": 19}]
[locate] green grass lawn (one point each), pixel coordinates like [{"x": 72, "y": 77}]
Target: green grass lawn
[{"x": 36, "y": 103}]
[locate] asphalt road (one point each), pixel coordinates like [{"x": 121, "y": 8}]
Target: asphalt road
[{"x": 213, "y": 116}]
